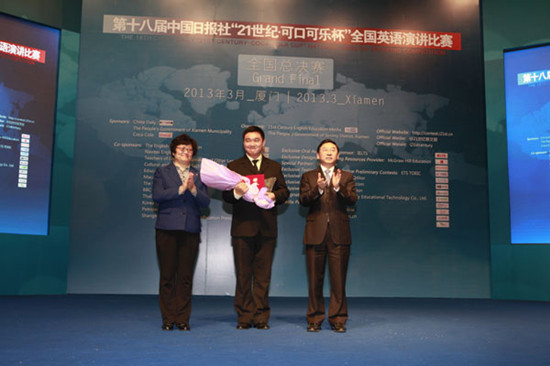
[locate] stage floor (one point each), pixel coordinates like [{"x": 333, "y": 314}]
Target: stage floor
[{"x": 125, "y": 330}]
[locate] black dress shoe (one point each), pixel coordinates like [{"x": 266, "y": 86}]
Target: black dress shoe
[
  {"x": 338, "y": 328},
  {"x": 243, "y": 326},
  {"x": 183, "y": 326},
  {"x": 263, "y": 326},
  {"x": 167, "y": 326},
  {"x": 312, "y": 327}
]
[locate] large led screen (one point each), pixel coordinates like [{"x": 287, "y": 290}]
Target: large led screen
[
  {"x": 398, "y": 85},
  {"x": 28, "y": 83},
  {"x": 527, "y": 77}
]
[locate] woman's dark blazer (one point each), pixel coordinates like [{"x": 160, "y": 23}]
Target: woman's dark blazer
[{"x": 178, "y": 212}]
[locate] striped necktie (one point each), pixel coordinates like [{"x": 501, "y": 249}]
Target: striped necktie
[{"x": 328, "y": 176}]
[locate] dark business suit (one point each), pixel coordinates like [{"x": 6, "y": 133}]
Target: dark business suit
[
  {"x": 254, "y": 233},
  {"x": 327, "y": 234},
  {"x": 178, "y": 229}
]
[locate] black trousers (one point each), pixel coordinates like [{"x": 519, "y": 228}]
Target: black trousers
[
  {"x": 177, "y": 252},
  {"x": 253, "y": 260},
  {"x": 338, "y": 259}
]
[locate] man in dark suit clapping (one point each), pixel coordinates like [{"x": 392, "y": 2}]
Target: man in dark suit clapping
[
  {"x": 254, "y": 231},
  {"x": 327, "y": 191}
]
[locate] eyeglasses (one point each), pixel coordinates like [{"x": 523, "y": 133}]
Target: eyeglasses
[{"x": 184, "y": 149}]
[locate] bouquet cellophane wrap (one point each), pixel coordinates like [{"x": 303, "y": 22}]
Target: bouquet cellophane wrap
[{"x": 218, "y": 176}]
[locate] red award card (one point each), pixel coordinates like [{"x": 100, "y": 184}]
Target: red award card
[{"x": 257, "y": 179}]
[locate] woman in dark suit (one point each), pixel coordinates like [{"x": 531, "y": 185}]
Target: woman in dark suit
[{"x": 180, "y": 195}]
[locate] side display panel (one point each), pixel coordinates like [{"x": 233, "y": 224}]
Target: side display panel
[
  {"x": 28, "y": 86},
  {"x": 527, "y": 78}
]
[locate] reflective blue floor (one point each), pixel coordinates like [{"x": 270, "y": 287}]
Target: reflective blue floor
[{"x": 125, "y": 330}]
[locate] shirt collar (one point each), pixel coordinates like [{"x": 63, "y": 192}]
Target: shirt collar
[
  {"x": 181, "y": 170},
  {"x": 259, "y": 159},
  {"x": 324, "y": 169}
]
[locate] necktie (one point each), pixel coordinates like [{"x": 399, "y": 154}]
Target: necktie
[
  {"x": 255, "y": 162},
  {"x": 326, "y": 195}
]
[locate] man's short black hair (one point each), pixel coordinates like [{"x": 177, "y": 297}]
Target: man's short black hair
[
  {"x": 183, "y": 140},
  {"x": 326, "y": 141},
  {"x": 254, "y": 129}
]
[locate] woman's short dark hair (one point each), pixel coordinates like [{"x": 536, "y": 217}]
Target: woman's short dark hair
[
  {"x": 183, "y": 140},
  {"x": 254, "y": 129},
  {"x": 327, "y": 141}
]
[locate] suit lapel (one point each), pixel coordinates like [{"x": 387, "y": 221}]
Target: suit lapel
[
  {"x": 319, "y": 170},
  {"x": 173, "y": 174},
  {"x": 264, "y": 166}
]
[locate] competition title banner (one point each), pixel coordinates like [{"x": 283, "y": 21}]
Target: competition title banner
[
  {"x": 282, "y": 32},
  {"x": 398, "y": 87}
]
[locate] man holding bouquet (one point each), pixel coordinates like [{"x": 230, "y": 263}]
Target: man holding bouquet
[{"x": 254, "y": 230}]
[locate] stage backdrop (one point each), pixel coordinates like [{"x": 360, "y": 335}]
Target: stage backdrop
[{"x": 397, "y": 84}]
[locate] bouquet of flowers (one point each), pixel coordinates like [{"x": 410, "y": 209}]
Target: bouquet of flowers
[{"x": 217, "y": 176}]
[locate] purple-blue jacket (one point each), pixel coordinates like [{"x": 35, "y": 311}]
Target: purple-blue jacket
[{"x": 178, "y": 212}]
